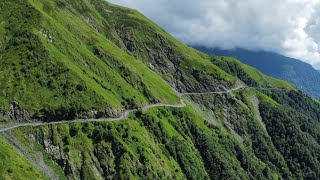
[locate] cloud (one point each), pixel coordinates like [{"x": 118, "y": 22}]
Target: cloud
[{"x": 289, "y": 27}]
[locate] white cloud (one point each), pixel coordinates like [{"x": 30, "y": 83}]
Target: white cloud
[{"x": 289, "y": 27}]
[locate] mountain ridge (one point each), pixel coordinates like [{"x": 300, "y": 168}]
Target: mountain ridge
[
  {"x": 299, "y": 73},
  {"x": 104, "y": 59}
]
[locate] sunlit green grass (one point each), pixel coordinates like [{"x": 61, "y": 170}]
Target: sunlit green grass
[{"x": 14, "y": 166}]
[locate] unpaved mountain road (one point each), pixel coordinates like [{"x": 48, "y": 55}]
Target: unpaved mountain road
[
  {"x": 213, "y": 92},
  {"x": 47, "y": 170},
  {"x": 125, "y": 113}
]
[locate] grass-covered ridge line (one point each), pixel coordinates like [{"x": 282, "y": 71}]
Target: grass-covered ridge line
[
  {"x": 67, "y": 59},
  {"x": 183, "y": 67},
  {"x": 84, "y": 59},
  {"x": 53, "y": 64},
  {"x": 248, "y": 74}
]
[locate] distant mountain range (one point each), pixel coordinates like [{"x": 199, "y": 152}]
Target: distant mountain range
[{"x": 301, "y": 74}]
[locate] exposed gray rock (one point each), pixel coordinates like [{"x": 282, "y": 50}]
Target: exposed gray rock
[
  {"x": 93, "y": 23},
  {"x": 112, "y": 112},
  {"x": 17, "y": 113},
  {"x": 52, "y": 149},
  {"x": 106, "y": 161},
  {"x": 161, "y": 56},
  {"x": 47, "y": 35},
  {"x": 109, "y": 112}
]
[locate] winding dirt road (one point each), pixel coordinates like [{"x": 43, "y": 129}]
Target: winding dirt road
[
  {"x": 214, "y": 92},
  {"x": 124, "y": 115}
]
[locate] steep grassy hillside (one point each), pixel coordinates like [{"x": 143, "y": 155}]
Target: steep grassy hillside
[
  {"x": 244, "y": 135},
  {"x": 162, "y": 143},
  {"x": 14, "y": 166},
  {"x": 184, "y": 68},
  {"x": 57, "y": 67},
  {"x": 67, "y": 59}
]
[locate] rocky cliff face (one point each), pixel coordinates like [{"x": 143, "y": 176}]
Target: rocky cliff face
[
  {"x": 164, "y": 55},
  {"x": 17, "y": 113}
]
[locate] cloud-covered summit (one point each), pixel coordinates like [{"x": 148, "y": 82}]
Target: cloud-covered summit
[{"x": 289, "y": 27}]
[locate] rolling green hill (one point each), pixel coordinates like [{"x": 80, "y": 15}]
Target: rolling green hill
[{"x": 71, "y": 59}]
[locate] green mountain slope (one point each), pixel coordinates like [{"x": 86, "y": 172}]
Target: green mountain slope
[
  {"x": 299, "y": 73},
  {"x": 68, "y": 59},
  {"x": 248, "y": 74},
  {"x": 184, "y": 68},
  {"x": 245, "y": 135},
  {"x": 14, "y": 166},
  {"x": 73, "y": 59},
  {"x": 50, "y": 69}
]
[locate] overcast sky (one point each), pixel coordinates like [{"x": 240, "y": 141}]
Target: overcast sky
[{"x": 289, "y": 27}]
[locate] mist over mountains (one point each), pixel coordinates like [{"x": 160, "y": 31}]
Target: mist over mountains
[
  {"x": 299, "y": 73},
  {"x": 287, "y": 27}
]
